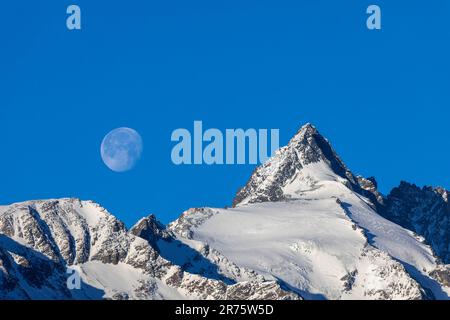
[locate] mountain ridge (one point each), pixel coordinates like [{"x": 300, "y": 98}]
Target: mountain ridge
[
  {"x": 304, "y": 226},
  {"x": 53, "y": 235}
]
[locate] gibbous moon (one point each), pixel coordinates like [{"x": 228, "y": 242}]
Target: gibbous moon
[{"x": 121, "y": 149}]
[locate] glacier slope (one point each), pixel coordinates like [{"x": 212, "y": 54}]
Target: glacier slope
[
  {"x": 304, "y": 218},
  {"x": 308, "y": 244}
]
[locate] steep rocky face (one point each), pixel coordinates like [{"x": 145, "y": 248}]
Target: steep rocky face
[
  {"x": 150, "y": 229},
  {"x": 41, "y": 240},
  {"x": 425, "y": 211},
  {"x": 307, "y": 159},
  {"x": 305, "y": 148}
]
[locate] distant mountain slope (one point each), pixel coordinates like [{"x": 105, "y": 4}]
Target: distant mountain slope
[{"x": 39, "y": 240}]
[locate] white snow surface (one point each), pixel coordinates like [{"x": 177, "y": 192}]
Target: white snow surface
[
  {"x": 111, "y": 279},
  {"x": 312, "y": 243}
]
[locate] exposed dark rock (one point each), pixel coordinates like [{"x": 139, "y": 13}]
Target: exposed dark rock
[
  {"x": 425, "y": 211},
  {"x": 150, "y": 229}
]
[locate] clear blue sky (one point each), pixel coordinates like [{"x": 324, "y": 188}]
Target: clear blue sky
[{"x": 382, "y": 98}]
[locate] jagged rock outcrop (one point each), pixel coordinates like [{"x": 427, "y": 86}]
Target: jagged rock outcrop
[
  {"x": 150, "y": 229},
  {"x": 425, "y": 211}
]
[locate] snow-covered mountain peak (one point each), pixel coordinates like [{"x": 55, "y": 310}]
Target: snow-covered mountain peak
[
  {"x": 302, "y": 165},
  {"x": 307, "y": 129},
  {"x": 150, "y": 229},
  {"x": 332, "y": 216}
]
